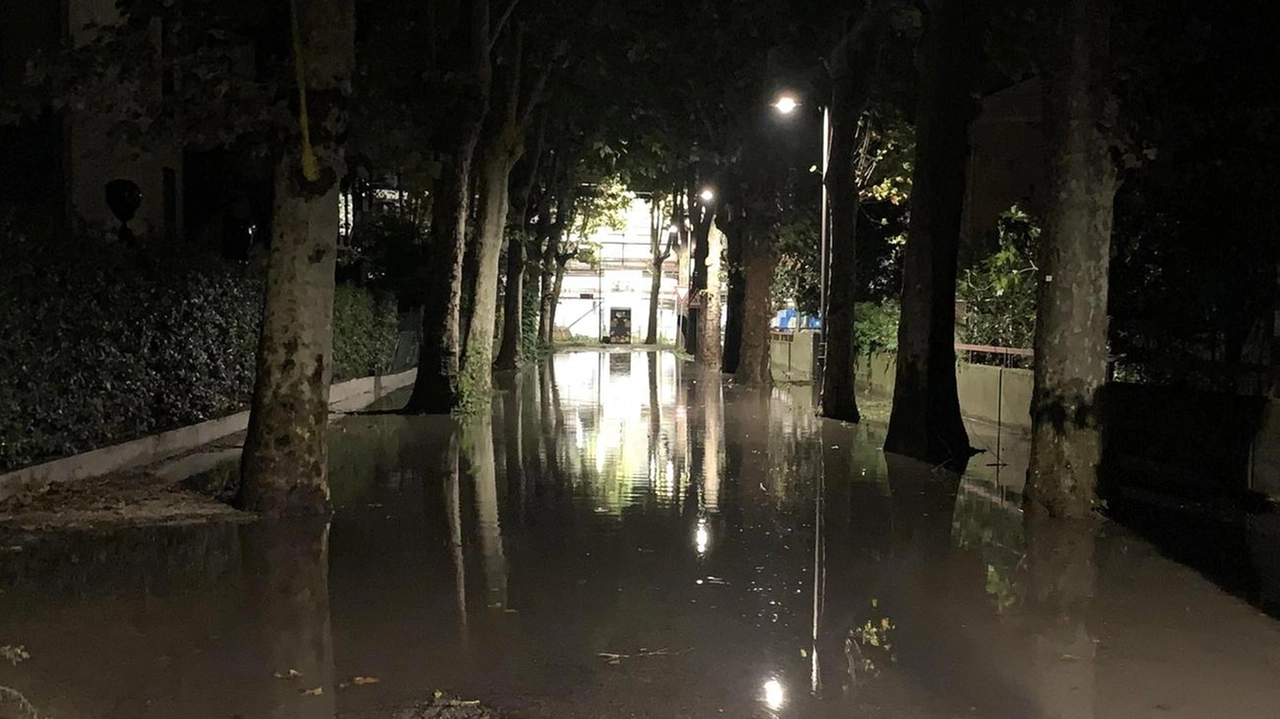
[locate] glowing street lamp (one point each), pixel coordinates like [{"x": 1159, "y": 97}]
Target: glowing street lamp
[
  {"x": 786, "y": 104},
  {"x": 707, "y": 195}
]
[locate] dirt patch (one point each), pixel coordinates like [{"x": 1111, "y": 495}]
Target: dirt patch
[{"x": 114, "y": 501}]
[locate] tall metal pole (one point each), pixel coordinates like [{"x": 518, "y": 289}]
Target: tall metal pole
[{"x": 825, "y": 247}]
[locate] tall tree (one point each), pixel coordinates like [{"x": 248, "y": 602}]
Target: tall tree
[
  {"x": 852, "y": 64},
  {"x": 1071, "y": 321},
  {"x": 502, "y": 145},
  {"x": 461, "y": 72},
  {"x": 520, "y": 237},
  {"x": 925, "y": 422},
  {"x": 659, "y": 224},
  {"x": 285, "y": 459}
]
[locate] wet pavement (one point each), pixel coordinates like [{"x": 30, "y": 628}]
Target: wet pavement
[{"x": 628, "y": 537}]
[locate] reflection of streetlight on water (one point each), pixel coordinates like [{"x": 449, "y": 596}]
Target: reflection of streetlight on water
[
  {"x": 774, "y": 695},
  {"x": 701, "y": 537}
]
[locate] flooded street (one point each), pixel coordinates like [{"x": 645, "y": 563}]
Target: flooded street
[{"x": 628, "y": 537}]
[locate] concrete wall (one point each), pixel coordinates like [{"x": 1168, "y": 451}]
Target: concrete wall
[
  {"x": 343, "y": 397},
  {"x": 791, "y": 355},
  {"x": 987, "y": 394}
]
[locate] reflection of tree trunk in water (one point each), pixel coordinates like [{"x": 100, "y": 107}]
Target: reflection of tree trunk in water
[
  {"x": 513, "y": 442},
  {"x": 712, "y": 428},
  {"x": 287, "y": 567},
  {"x": 453, "y": 505},
  {"x": 477, "y": 447},
  {"x": 655, "y": 418},
  {"x": 1058, "y": 587},
  {"x": 923, "y": 501}
]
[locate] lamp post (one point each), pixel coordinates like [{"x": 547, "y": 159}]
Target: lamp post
[{"x": 786, "y": 105}]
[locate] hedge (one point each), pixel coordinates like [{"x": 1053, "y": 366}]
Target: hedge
[{"x": 100, "y": 344}]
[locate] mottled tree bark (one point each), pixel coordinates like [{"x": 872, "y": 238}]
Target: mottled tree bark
[
  {"x": 1071, "y": 320},
  {"x": 476, "y": 379},
  {"x": 759, "y": 260},
  {"x": 503, "y": 147},
  {"x": 708, "y": 354},
  {"x": 925, "y": 422},
  {"x": 511, "y": 352},
  {"x": 465, "y": 87},
  {"x": 285, "y": 460}
]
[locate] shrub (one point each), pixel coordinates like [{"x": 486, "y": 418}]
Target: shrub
[
  {"x": 99, "y": 344},
  {"x": 364, "y": 333},
  {"x": 1000, "y": 293},
  {"x": 875, "y": 327}
]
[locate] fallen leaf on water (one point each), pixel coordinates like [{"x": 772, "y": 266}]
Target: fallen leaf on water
[
  {"x": 361, "y": 681},
  {"x": 312, "y": 692},
  {"x": 291, "y": 674}
]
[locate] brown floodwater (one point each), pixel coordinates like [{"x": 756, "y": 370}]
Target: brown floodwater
[{"x": 626, "y": 536}]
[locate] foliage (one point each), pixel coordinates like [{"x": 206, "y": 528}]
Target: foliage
[
  {"x": 875, "y": 327},
  {"x": 387, "y": 253},
  {"x": 797, "y": 279},
  {"x": 364, "y": 333},
  {"x": 1000, "y": 293},
  {"x": 605, "y": 207},
  {"x": 102, "y": 346}
]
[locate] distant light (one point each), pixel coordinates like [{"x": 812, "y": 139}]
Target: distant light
[
  {"x": 774, "y": 696},
  {"x": 786, "y": 104},
  {"x": 707, "y": 195},
  {"x": 701, "y": 537},
  {"x": 674, "y": 229}
]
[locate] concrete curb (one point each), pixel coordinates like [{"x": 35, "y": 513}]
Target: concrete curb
[{"x": 343, "y": 397}]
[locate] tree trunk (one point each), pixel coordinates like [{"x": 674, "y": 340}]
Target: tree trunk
[
  {"x": 925, "y": 422},
  {"x": 838, "y": 400},
  {"x": 285, "y": 460},
  {"x": 736, "y": 297},
  {"x": 1071, "y": 322},
  {"x": 554, "y": 300},
  {"x": 852, "y": 64},
  {"x": 655, "y": 296},
  {"x": 759, "y": 261},
  {"x": 658, "y": 258},
  {"x": 698, "y": 281},
  {"x": 510, "y": 354},
  {"x": 477, "y": 365},
  {"x": 435, "y": 389},
  {"x": 546, "y": 296},
  {"x": 708, "y": 354}
]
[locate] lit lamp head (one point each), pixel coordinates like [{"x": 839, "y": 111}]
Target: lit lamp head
[
  {"x": 707, "y": 195},
  {"x": 786, "y": 104}
]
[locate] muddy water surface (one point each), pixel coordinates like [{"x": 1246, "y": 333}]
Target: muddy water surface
[{"x": 628, "y": 537}]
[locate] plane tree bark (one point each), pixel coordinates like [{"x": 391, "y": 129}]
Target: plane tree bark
[
  {"x": 925, "y": 422},
  {"x": 502, "y": 146},
  {"x": 1071, "y": 320},
  {"x": 462, "y": 74},
  {"x": 511, "y": 352},
  {"x": 285, "y": 460}
]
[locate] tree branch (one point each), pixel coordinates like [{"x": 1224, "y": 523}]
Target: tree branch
[{"x": 503, "y": 17}]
